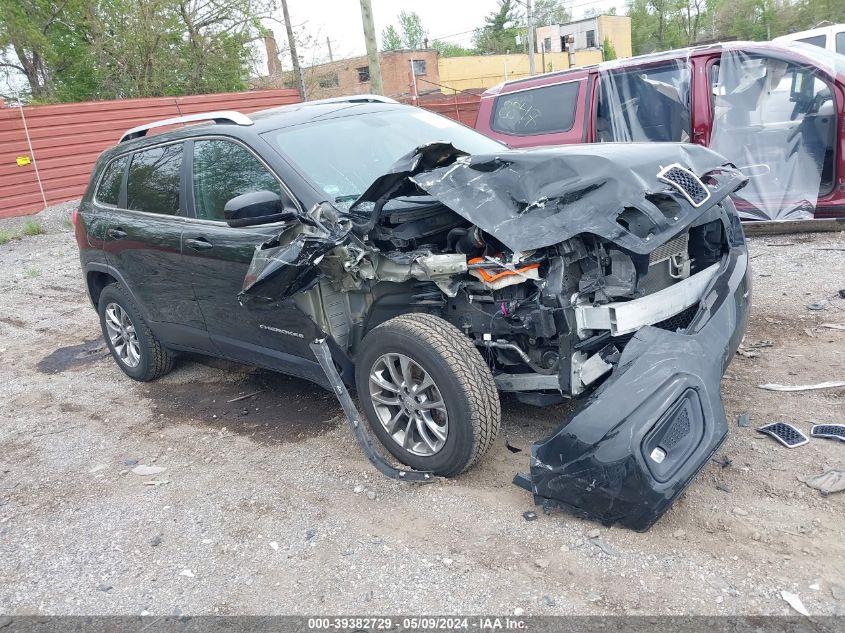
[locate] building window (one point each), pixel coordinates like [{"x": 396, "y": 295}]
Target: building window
[
  {"x": 547, "y": 44},
  {"x": 329, "y": 81},
  {"x": 363, "y": 74},
  {"x": 591, "y": 39},
  {"x": 419, "y": 66}
]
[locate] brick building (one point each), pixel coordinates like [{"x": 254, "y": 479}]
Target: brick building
[{"x": 352, "y": 75}]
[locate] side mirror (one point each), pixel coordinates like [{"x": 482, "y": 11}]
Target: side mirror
[{"x": 254, "y": 208}]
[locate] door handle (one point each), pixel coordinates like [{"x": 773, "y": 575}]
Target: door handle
[
  {"x": 199, "y": 243},
  {"x": 116, "y": 234}
]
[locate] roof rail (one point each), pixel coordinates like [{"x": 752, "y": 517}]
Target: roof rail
[
  {"x": 223, "y": 116},
  {"x": 353, "y": 99}
]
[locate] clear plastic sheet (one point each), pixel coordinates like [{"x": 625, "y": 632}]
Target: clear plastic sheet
[
  {"x": 650, "y": 103},
  {"x": 776, "y": 121}
]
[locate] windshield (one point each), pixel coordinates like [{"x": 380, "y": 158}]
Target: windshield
[{"x": 343, "y": 156}]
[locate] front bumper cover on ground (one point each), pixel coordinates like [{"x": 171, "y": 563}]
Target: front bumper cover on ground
[{"x": 635, "y": 445}]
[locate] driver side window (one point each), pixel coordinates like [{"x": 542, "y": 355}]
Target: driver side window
[{"x": 224, "y": 170}]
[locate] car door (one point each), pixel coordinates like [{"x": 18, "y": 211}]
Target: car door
[
  {"x": 143, "y": 243},
  {"x": 272, "y": 333},
  {"x": 776, "y": 121}
]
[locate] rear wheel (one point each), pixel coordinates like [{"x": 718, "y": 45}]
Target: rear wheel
[
  {"x": 135, "y": 348},
  {"x": 427, "y": 393}
]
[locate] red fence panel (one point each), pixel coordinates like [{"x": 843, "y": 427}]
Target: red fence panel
[
  {"x": 463, "y": 107},
  {"x": 67, "y": 138}
]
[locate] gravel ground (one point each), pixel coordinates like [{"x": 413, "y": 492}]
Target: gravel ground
[{"x": 267, "y": 505}]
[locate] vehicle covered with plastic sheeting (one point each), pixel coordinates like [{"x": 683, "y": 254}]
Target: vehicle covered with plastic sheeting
[{"x": 776, "y": 112}]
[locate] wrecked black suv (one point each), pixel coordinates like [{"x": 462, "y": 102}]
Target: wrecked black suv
[{"x": 435, "y": 267}]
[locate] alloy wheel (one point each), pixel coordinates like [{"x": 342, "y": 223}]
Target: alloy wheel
[
  {"x": 409, "y": 404},
  {"x": 122, "y": 335}
]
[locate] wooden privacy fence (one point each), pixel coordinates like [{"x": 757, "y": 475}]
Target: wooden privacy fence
[
  {"x": 47, "y": 152},
  {"x": 461, "y": 107}
]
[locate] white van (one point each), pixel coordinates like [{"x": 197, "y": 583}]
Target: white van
[{"x": 830, "y": 37}]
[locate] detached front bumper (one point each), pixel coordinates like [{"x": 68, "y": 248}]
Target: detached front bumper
[{"x": 638, "y": 441}]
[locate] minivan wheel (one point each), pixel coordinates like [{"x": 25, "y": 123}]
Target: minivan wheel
[
  {"x": 427, "y": 393},
  {"x": 135, "y": 349}
]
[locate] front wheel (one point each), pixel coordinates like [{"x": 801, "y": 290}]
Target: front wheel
[{"x": 427, "y": 393}]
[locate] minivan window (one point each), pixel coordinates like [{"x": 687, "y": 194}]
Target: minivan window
[
  {"x": 540, "y": 110},
  {"x": 224, "y": 170},
  {"x": 153, "y": 183},
  {"x": 815, "y": 40},
  {"x": 840, "y": 43},
  {"x": 108, "y": 192},
  {"x": 645, "y": 104}
]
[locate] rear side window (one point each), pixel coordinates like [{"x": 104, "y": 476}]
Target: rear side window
[
  {"x": 815, "y": 40},
  {"x": 153, "y": 184},
  {"x": 840, "y": 43},
  {"x": 109, "y": 190},
  {"x": 224, "y": 170},
  {"x": 540, "y": 110}
]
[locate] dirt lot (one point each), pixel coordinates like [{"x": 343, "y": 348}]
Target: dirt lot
[{"x": 267, "y": 505}]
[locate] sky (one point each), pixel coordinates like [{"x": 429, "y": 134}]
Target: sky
[{"x": 340, "y": 21}]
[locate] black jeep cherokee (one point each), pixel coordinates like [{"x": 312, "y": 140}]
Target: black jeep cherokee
[{"x": 441, "y": 267}]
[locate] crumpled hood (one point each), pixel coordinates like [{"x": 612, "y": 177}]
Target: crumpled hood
[{"x": 535, "y": 198}]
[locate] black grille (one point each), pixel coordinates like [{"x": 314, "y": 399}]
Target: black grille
[
  {"x": 687, "y": 183},
  {"x": 784, "y": 433},
  {"x": 679, "y": 430}
]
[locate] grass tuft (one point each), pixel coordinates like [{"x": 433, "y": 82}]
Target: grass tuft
[{"x": 31, "y": 227}]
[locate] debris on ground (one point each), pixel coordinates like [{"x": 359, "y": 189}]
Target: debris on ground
[
  {"x": 187, "y": 573},
  {"x": 145, "y": 471},
  {"x": 833, "y": 326},
  {"x": 245, "y": 396},
  {"x": 827, "y": 483},
  {"x": 744, "y": 420},
  {"x": 795, "y": 602},
  {"x": 816, "y": 306},
  {"x": 511, "y": 448},
  {"x": 829, "y": 431},
  {"x": 785, "y": 433},
  {"x": 529, "y": 516},
  {"x": 821, "y": 385},
  {"x": 604, "y": 546}
]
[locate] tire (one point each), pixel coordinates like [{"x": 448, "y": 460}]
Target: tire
[
  {"x": 152, "y": 360},
  {"x": 460, "y": 377}
]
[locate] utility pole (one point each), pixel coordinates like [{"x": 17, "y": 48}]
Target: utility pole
[
  {"x": 530, "y": 19},
  {"x": 372, "y": 49},
  {"x": 297, "y": 71},
  {"x": 329, "y": 44}
]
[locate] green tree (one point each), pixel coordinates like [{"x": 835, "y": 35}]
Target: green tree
[
  {"x": 71, "y": 50},
  {"x": 413, "y": 33},
  {"x": 550, "y": 12},
  {"x": 390, "y": 39},
  {"x": 608, "y": 52},
  {"x": 410, "y": 34},
  {"x": 448, "y": 49},
  {"x": 498, "y": 35}
]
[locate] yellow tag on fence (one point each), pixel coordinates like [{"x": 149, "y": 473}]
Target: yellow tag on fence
[{"x": 23, "y": 161}]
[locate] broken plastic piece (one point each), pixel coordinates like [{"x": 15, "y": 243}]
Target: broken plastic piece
[
  {"x": 828, "y": 482},
  {"x": 822, "y": 385},
  {"x": 785, "y": 433},
  {"x": 744, "y": 420},
  {"x": 831, "y": 431},
  {"x": 324, "y": 357}
]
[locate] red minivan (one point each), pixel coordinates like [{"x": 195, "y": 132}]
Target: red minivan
[{"x": 777, "y": 112}]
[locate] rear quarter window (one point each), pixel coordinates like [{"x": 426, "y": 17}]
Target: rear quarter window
[
  {"x": 154, "y": 178},
  {"x": 108, "y": 192},
  {"x": 541, "y": 110}
]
